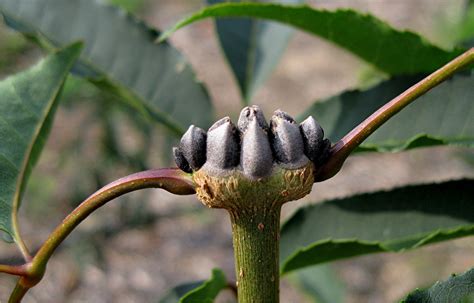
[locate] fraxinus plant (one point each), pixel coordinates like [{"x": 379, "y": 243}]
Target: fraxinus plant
[{"x": 251, "y": 168}]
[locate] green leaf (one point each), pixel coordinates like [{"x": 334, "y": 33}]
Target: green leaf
[
  {"x": 252, "y": 47},
  {"x": 198, "y": 292},
  {"x": 27, "y": 105},
  {"x": 175, "y": 294},
  {"x": 466, "y": 27},
  {"x": 320, "y": 284},
  {"x": 458, "y": 288},
  {"x": 445, "y": 115},
  {"x": 393, "y": 51},
  {"x": 120, "y": 55},
  {"x": 395, "y": 220},
  {"x": 128, "y": 5}
]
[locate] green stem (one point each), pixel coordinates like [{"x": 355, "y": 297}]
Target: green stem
[
  {"x": 18, "y": 292},
  {"x": 344, "y": 147},
  {"x": 256, "y": 234}
]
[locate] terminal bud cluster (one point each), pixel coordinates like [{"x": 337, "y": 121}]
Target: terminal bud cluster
[{"x": 279, "y": 156}]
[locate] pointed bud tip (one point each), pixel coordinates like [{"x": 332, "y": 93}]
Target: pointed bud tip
[
  {"x": 223, "y": 145},
  {"x": 310, "y": 124},
  {"x": 219, "y": 123},
  {"x": 283, "y": 115},
  {"x": 257, "y": 159},
  {"x": 315, "y": 146},
  {"x": 287, "y": 142},
  {"x": 193, "y": 146},
  {"x": 250, "y": 113}
]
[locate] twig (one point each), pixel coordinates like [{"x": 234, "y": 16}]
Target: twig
[
  {"x": 17, "y": 270},
  {"x": 170, "y": 179},
  {"x": 344, "y": 147},
  {"x": 18, "y": 293}
]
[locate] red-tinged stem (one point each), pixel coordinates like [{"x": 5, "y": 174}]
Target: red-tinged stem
[
  {"x": 16, "y": 270},
  {"x": 170, "y": 179},
  {"x": 344, "y": 147}
]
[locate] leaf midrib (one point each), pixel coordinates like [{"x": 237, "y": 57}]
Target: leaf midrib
[
  {"x": 27, "y": 158},
  {"x": 53, "y": 45}
]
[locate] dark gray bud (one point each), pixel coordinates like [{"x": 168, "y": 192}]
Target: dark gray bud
[
  {"x": 313, "y": 138},
  {"x": 324, "y": 154},
  {"x": 193, "y": 147},
  {"x": 181, "y": 161},
  {"x": 223, "y": 144},
  {"x": 256, "y": 155},
  {"x": 249, "y": 114},
  {"x": 287, "y": 142}
]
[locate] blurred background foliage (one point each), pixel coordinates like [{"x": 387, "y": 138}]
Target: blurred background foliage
[{"x": 96, "y": 139}]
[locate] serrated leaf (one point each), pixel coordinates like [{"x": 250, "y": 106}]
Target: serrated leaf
[
  {"x": 393, "y": 51},
  {"x": 198, "y": 292},
  {"x": 320, "y": 284},
  {"x": 27, "y": 105},
  {"x": 120, "y": 55},
  {"x": 385, "y": 221},
  {"x": 444, "y": 115},
  {"x": 252, "y": 47},
  {"x": 458, "y": 288}
]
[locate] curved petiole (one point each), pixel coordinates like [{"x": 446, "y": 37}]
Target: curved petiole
[
  {"x": 171, "y": 179},
  {"x": 344, "y": 147}
]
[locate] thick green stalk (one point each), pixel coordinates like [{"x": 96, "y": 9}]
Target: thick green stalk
[
  {"x": 254, "y": 206},
  {"x": 256, "y": 234}
]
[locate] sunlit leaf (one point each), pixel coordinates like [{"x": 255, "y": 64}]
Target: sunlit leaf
[
  {"x": 253, "y": 47},
  {"x": 393, "y": 51}
]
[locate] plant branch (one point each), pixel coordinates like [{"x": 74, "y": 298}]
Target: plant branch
[
  {"x": 255, "y": 234},
  {"x": 344, "y": 147},
  {"x": 170, "y": 179},
  {"x": 17, "y": 270},
  {"x": 18, "y": 292}
]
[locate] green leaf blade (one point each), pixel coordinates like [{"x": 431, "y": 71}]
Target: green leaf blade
[
  {"x": 393, "y": 51},
  {"x": 443, "y": 116},
  {"x": 27, "y": 105},
  {"x": 175, "y": 294},
  {"x": 120, "y": 55},
  {"x": 396, "y": 220},
  {"x": 458, "y": 288},
  {"x": 320, "y": 284},
  {"x": 198, "y": 292},
  {"x": 252, "y": 48}
]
